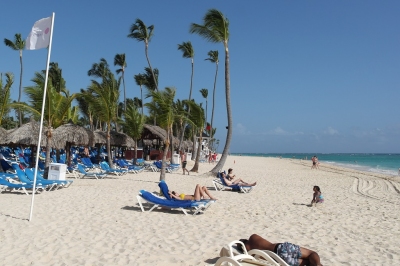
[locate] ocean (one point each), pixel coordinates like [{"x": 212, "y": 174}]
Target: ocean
[{"x": 388, "y": 164}]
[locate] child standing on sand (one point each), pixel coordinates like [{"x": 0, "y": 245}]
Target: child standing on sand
[{"x": 317, "y": 196}]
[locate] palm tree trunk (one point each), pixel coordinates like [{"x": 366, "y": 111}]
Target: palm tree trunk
[
  {"x": 48, "y": 151},
  {"x": 148, "y": 61},
  {"x": 194, "y": 151},
  {"x": 213, "y": 103},
  {"x": 135, "y": 158},
  {"x": 109, "y": 154},
  {"x": 191, "y": 82},
  {"x": 123, "y": 81},
  {"x": 196, "y": 164},
  {"x": 20, "y": 88},
  {"x": 225, "y": 152},
  {"x": 141, "y": 96}
]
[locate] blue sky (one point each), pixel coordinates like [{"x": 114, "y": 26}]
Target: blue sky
[{"x": 306, "y": 76}]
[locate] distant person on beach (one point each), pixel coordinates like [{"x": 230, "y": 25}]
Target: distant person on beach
[
  {"x": 314, "y": 162},
  {"x": 214, "y": 157},
  {"x": 229, "y": 179},
  {"x": 210, "y": 157},
  {"x": 292, "y": 254},
  {"x": 184, "y": 162},
  {"x": 317, "y": 196},
  {"x": 200, "y": 192}
]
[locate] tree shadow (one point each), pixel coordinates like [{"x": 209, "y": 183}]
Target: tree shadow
[
  {"x": 211, "y": 261},
  {"x": 302, "y": 204}
]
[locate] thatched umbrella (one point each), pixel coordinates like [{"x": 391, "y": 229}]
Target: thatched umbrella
[
  {"x": 155, "y": 132},
  {"x": 26, "y": 135},
  {"x": 116, "y": 138},
  {"x": 3, "y": 135},
  {"x": 70, "y": 134}
]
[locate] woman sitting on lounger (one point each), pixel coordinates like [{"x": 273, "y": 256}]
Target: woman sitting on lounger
[
  {"x": 292, "y": 254},
  {"x": 229, "y": 180},
  {"x": 199, "y": 193}
]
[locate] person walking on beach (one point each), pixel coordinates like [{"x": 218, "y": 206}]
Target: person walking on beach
[
  {"x": 314, "y": 162},
  {"x": 184, "y": 162},
  {"x": 292, "y": 254}
]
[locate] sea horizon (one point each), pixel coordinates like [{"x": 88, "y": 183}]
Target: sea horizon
[{"x": 382, "y": 163}]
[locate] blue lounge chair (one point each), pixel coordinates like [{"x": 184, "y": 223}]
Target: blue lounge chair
[
  {"x": 131, "y": 168},
  {"x": 30, "y": 173},
  {"x": 219, "y": 184},
  {"x": 48, "y": 184},
  {"x": 83, "y": 173},
  {"x": 114, "y": 171},
  {"x": 183, "y": 205},
  {"x": 6, "y": 166},
  {"x": 14, "y": 186}
]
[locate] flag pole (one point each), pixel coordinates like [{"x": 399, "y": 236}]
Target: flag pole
[{"x": 41, "y": 118}]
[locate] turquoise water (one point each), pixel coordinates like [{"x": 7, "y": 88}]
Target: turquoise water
[{"x": 388, "y": 164}]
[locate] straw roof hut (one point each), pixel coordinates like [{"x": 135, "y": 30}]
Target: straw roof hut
[
  {"x": 26, "y": 135},
  {"x": 116, "y": 138},
  {"x": 151, "y": 132},
  {"x": 73, "y": 134},
  {"x": 3, "y": 134}
]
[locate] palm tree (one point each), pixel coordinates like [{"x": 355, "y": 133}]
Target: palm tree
[
  {"x": 18, "y": 45},
  {"x": 142, "y": 33},
  {"x": 133, "y": 125},
  {"x": 215, "y": 29},
  {"x": 104, "y": 101},
  {"x": 197, "y": 119},
  {"x": 163, "y": 106},
  {"x": 119, "y": 60},
  {"x": 187, "y": 52},
  {"x": 57, "y": 107},
  {"x": 151, "y": 77},
  {"x": 213, "y": 58},
  {"x": 204, "y": 93},
  {"x": 140, "y": 81},
  {"x": 5, "y": 92}
]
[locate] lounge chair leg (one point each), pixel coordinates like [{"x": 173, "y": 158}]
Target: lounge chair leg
[{"x": 140, "y": 202}]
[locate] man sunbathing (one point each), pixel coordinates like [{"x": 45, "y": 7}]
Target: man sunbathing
[
  {"x": 292, "y": 254},
  {"x": 199, "y": 193},
  {"x": 229, "y": 180}
]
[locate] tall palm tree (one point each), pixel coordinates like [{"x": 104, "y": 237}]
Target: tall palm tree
[
  {"x": 104, "y": 101},
  {"x": 187, "y": 52},
  {"x": 119, "y": 60},
  {"x": 5, "y": 92},
  {"x": 142, "y": 33},
  {"x": 85, "y": 107},
  {"x": 18, "y": 45},
  {"x": 162, "y": 105},
  {"x": 56, "y": 108},
  {"x": 215, "y": 29},
  {"x": 133, "y": 125},
  {"x": 151, "y": 77},
  {"x": 204, "y": 93},
  {"x": 140, "y": 81},
  {"x": 213, "y": 58},
  {"x": 197, "y": 119}
]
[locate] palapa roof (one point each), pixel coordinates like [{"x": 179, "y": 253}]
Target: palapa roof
[
  {"x": 151, "y": 132},
  {"x": 26, "y": 135},
  {"x": 3, "y": 134},
  {"x": 116, "y": 138},
  {"x": 74, "y": 134}
]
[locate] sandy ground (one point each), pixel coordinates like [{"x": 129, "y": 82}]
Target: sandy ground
[{"x": 98, "y": 222}]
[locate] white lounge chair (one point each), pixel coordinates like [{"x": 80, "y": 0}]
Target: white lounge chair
[
  {"x": 219, "y": 184},
  {"x": 231, "y": 255}
]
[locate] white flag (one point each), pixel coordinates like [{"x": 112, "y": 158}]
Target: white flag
[{"x": 40, "y": 35}]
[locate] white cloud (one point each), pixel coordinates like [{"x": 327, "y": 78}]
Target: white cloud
[
  {"x": 331, "y": 131},
  {"x": 241, "y": 129}
]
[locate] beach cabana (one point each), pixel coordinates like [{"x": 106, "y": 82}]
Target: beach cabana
[
  {"x": 151, "y": 132},
  {"x": 70, "y": 134},
  {"x": 117, "y": 139}
]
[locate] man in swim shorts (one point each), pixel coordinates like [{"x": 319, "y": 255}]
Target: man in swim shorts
[
  {"x": 184, "y": 162},
  {"x": 292, "y": 254}
]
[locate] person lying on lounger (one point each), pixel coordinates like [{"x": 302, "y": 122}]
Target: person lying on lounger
[
  {"x": 199, "y": 193},
  {"x": 292, "y": 254},
  {"x": 229, "y": 180}
]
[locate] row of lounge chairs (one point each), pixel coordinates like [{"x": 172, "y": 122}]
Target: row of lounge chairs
[{"x": 23, "y": 180}]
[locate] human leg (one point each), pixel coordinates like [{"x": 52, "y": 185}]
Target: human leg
[
  {"x": 309, "y": 257},
  {"x": 197, "y": 193},
  {"x": 204, "y": 192}
]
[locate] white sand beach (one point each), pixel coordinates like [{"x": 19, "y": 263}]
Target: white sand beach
[{"x": 98, "y": 222}]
